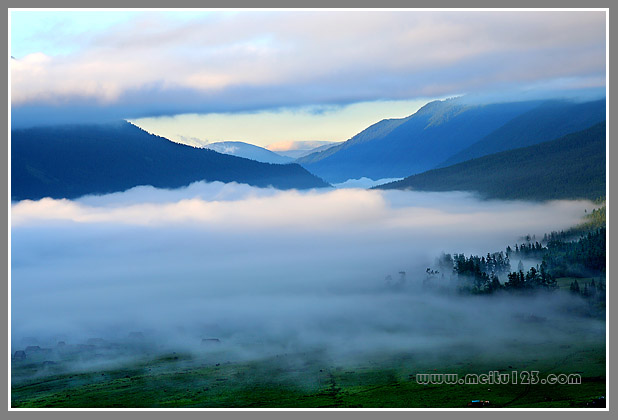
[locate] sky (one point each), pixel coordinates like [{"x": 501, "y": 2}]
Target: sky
[
  {"x": 271, "y": 76},
  {"x": 293, "y": 125}
]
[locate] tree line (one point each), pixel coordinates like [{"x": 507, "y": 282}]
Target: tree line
[{"x": 557, "y": 256}]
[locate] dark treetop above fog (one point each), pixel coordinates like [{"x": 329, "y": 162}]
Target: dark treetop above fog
[{"x": 74, "y": 160}]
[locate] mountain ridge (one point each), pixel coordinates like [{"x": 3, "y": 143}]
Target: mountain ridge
[
  {"x": 398, "y": 148},
  {"x": 570, "y": 167},
  {"x": 248, "y": 151},
  {"x": 549, "y": 121},
  {"x": 73, "y": 160}
]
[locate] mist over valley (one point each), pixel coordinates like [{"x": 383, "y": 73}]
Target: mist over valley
[{"x": 290, "y": 270}]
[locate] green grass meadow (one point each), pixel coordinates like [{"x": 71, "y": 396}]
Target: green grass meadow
[{"x": 310, "y": 380}]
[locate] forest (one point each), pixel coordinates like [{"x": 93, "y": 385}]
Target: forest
[{"x": 578, "y": 253}]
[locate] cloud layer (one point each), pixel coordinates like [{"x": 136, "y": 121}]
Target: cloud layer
[
  {"x": 232, "y": 207},
  {"x": 260, "y": 268},
  {"x": 153, "y": 64}
]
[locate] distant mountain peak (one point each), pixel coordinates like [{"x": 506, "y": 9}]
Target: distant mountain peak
[
  {"x": 248, "y": 151},
  {"x": 443, "y": 111}
]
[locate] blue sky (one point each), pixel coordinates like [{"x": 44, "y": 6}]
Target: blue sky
[
  {"x": 58, "y": 33},
  {"x": 230, "y": 66}
]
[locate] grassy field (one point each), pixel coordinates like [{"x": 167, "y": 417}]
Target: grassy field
[{"x": 310, "y": 380}]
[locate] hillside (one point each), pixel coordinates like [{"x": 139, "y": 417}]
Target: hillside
[
  {"x": 70, "y": 161},
  {"x": 567, "y": 168},
  {"x": 549, "y": 121},
  {"x": 248, "y": 151},
  {"x": 303, "y": 150},
  {"x": 397, "y": 148},
  {"x": 374, "y": 132}
]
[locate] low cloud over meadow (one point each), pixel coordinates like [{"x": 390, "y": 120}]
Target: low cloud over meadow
[{"x": 268, "y": 271}]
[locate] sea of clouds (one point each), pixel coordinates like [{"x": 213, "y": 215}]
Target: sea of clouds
[{"x": 268, "y": 271}]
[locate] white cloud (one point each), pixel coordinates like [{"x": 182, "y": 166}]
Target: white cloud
[
  {"x": 338, "y": 56},
  {"x": 270, "y": 271},
  {"x": 235, "y": 207}
]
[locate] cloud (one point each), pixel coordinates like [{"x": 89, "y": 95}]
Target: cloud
[
  {"x": 155, "y": 65},
  {"x": 270, "y": 271},
  {"x": 364, "y": 182},
  {"x": 240, "y": 207}
]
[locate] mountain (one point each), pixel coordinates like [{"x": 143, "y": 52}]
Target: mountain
[
  {"x": 567, "y": 168},
  {"x": 299, "y": 149},
  {"x": 399, "y": 147},
  {"x": 450, "y": 131},
  {"x": 548, "y": 121},
  {"x": 70, "y": 161},
  {"x": 248, "y": 151},
  {"x": 374, "y": 132}
]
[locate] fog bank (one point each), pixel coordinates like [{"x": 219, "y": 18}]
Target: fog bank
[{"x": 267, "y": 271}]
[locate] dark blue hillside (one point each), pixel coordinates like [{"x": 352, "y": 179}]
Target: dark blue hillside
[
  {"x": 71, "y": 161},
  {"x": 418, "y": 143},
  {"x": 570, "y": 167},
  {"x": 546, "y": 122}
]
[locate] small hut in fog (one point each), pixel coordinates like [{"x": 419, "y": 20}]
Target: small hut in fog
[{"x": 19, "y": 355}]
